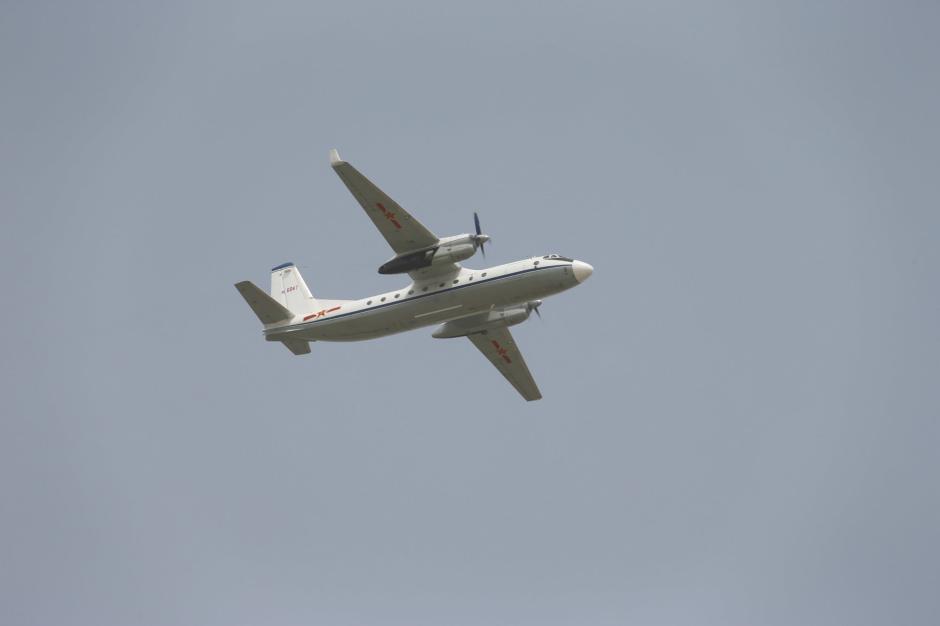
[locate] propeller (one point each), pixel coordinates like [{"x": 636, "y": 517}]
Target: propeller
[
  {"x": 534, "y": 306},
  {"x": 479, "y": 238}
]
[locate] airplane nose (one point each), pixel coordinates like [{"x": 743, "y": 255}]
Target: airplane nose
[{"x": 581, "y": 270}]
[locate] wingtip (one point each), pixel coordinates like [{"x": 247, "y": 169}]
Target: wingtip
[{"x": 334, "y": 157}]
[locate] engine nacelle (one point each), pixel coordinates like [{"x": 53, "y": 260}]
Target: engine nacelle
[
  {"x": 497, "y": 318},
  {"x": 449, "y": 250},
  {"x": 454, "y": 252}
]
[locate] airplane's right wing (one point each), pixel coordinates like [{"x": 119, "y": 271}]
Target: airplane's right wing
[{"x": 500, "y": 348}]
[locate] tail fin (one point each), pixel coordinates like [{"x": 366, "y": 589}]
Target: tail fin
[{"x": 288, "y": 288}]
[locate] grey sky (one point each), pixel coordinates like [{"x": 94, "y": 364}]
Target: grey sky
[{"x": 740, "y": 423}]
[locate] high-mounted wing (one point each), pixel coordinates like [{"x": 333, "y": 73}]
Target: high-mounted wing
[
  {"x": 403, "y": 232},
  {"x": 500, "y": 348}
]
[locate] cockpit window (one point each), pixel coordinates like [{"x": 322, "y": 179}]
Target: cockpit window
[{"x": 557, "y": 257}]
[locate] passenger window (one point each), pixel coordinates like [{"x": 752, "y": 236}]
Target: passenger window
[
  {"x": 411, "y": 292},
  {"x": 397, "y": 294},
  {"x": 484, "y": 274},
  {"x": 383, "y": 298},
  {"x": 456, "y": 281},
  {"x": 424, "y": 289},
  {"x": 441, "y": 285},
  {"x": 369, "y": 302}
]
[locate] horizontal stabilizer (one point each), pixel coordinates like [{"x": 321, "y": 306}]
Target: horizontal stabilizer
[
  {"x": 297, "y": 346},
  {"x": 268, "y": 310}
]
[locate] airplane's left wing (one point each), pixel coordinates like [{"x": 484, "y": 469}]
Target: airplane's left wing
[
  {"x": 500, "y": 348},
  {"x": 403, "y": 232}
]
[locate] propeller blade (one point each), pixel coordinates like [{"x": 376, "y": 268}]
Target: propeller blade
[
  {"x": 480, "y": 238},
  {"x": 537, "y": 312}
]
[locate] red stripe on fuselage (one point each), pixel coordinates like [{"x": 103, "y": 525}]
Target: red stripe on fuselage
[{"x": 322, "y": 312}]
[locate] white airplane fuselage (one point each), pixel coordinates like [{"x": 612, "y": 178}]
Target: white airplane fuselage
[
  {"x": 478, "y": 304},
  {"x": 435, "y": 300}
]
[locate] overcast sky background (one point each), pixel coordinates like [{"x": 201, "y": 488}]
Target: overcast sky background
[{"x": 740, "y": 423}]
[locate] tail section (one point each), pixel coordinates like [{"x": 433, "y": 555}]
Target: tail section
[
  {"x": 270, "y": 311},
  {"x": 290, "y": 299},
  {"x": 289, "y": 289}
]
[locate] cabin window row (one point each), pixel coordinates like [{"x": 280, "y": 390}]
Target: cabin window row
[{"x": 423, "y": 289}]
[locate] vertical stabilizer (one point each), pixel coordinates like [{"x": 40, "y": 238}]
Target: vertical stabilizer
[{"x": 288, "y": 288}]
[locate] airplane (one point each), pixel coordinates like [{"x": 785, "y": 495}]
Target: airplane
[{"x": 480, "y": 304}]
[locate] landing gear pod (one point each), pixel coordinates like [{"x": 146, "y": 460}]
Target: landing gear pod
[{"x": 499, "y": 318}]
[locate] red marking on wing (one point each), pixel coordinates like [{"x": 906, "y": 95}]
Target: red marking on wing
[
  {"x": 388, "y": 215},
  {"x": 501, "y": 351}
]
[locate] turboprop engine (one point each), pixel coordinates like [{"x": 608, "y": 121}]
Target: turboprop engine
[
  {"x": 448, "y": 250},
  {"x": 496, "y": 318}
]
